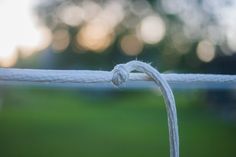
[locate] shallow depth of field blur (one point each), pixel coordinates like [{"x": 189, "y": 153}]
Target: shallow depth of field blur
[{"x": 178, "y": 36}]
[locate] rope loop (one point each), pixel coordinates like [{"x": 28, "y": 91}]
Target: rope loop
[{"x": 121, "y": 75}]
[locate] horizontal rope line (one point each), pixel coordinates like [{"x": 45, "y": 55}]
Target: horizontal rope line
[{"x": 89, "y": 78}]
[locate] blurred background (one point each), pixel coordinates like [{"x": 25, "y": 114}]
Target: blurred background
[{"x": 175, "y": 36}]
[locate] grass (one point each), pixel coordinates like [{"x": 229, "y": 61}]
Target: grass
[{"x": 59, "y": 123}]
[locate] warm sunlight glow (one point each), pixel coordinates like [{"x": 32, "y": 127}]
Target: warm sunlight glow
[
  {"x": 18, "y": 31},
  {"x": 37, "y": 39},
  {"x": 9, "y": 58}
]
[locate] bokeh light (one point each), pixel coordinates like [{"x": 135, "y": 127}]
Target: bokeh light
[
  {"x": 71, "y": 15},
  {"x": 152, "y": 29},
  {"x": 96, "y": 25},
  {"x": 231, "y": 39},
  {"x": 95, "y": 36},
  {"x": 112, "y": 14},
  {"x": 61, "y": 40},
  {"x": 205, "y": 51},
  {"x": 175, "y": 36},
  {"x": 131, "y": 45},
  {"x": 91, "y": 10},
  {"x": 140, "y": 7}
]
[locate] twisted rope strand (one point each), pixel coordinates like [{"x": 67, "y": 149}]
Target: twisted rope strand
[
  {"x": 121, "y": 75},
  {"x": 88, "y": 78}
]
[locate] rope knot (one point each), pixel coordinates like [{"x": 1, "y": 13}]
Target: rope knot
[{"x": 120, "y": 75}]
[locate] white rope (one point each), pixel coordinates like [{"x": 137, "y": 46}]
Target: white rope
[
  {"x": 88, "y": 78},
  {"x": 121, "y": 75}
]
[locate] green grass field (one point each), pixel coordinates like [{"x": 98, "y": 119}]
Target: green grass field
[{"x": 64, "y": 123}]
